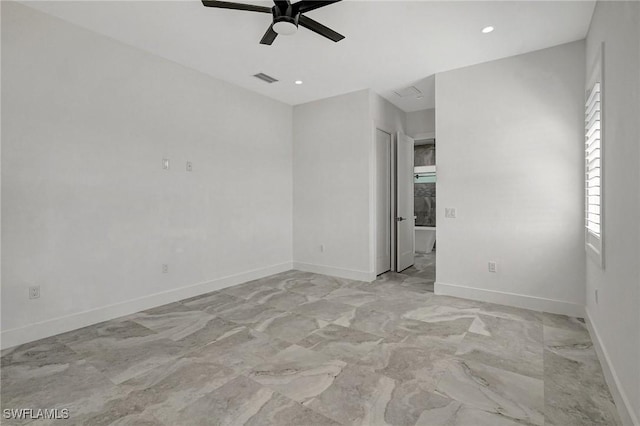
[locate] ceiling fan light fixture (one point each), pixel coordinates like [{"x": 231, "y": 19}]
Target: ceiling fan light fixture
[
  {"x": 286, "y": 17},
  {"x": 285, "y": 27}
]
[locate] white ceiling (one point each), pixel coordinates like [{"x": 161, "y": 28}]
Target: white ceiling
[{"x": 389, "y": 45}]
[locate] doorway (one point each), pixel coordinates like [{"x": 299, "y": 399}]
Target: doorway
[
  {"x": 405, "y": 216},
  {"x": 425, "y": 209}
]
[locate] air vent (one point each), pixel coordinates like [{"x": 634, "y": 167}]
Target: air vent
[
  {"x": 265, "y": 78},
  {"x": 408, "y": 91}
]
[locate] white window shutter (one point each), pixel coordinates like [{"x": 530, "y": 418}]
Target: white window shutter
[{"x": 593, "y": 162}]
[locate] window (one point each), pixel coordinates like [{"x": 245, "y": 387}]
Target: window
[{"x": 593, "y": 164}]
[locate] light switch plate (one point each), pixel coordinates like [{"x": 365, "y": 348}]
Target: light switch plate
[
  {"x": 189, "y": 166},
  {"x": 450, "y": 212},
  {"x": 165, "y": 164},
  {"x": 34, "y": 292}
]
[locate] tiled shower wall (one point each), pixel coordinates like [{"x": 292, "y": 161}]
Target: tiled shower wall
[
  {"x": 425, "y": 203},
  {"x": 425, "y": 193},
  {"x": 424, "y": 155}
]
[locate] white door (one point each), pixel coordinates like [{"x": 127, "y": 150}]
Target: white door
[
  {"x": 383, "y": 197},
  {"x": 405, "y": 222}
]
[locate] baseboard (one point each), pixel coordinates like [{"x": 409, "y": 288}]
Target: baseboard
[
  {"x": 511, "y": 299},
  {"x": 40, "y": 330},
  {"x": 627, "y": 415},
  {"x": 335, "y": 272}
]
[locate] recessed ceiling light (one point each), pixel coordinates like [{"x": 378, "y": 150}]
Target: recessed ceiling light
[
  {"x": 487, "y": 30},
  {"x": 298, "y": 82}
]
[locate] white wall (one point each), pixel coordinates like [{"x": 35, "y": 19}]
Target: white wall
[
  {"x": 334, "y": 182},
  {"x": 386, "y": 116},
  {"x": 87, "y": 212},
  {"x": 510, "y": 145},
  {"x": 332, "y": 157},
  {"x": 616, "y": 317},
  {"x": 420, "y": 122}
]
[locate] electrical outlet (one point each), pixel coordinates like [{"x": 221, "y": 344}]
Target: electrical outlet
[
  {"x": 189, "y": 166},
  {"x": 165, "y": 268},
  {"x": 493, "y": 266},
  {"x": 34, "y": 292},
  {"x": 450, "y": 212},
  {"x": 165, "y": 164}
]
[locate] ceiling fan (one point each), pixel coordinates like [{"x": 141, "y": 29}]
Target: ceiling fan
[{"x": 286, "y": 17}]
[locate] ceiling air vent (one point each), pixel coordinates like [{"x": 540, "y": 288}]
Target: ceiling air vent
[
  {"x": 265, "y": 78},
  {"x": 408, "y": 91}
]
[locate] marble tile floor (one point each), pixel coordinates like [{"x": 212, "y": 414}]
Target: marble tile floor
[
  {"x": 304, "y": 349},
  {"x": 424, "y": 267}
]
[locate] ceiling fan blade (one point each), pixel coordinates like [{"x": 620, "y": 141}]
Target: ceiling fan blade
[
  {"x": 269, "y": 36},
  {"x": 237, "y": 6},
  {"x": 282, "y": 4},
  {"x": 317, "y": 27},
  {"x": 307, "y": 5}
]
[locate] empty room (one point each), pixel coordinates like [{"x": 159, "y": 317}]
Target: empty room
[{"x": 327, "y": 212}]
